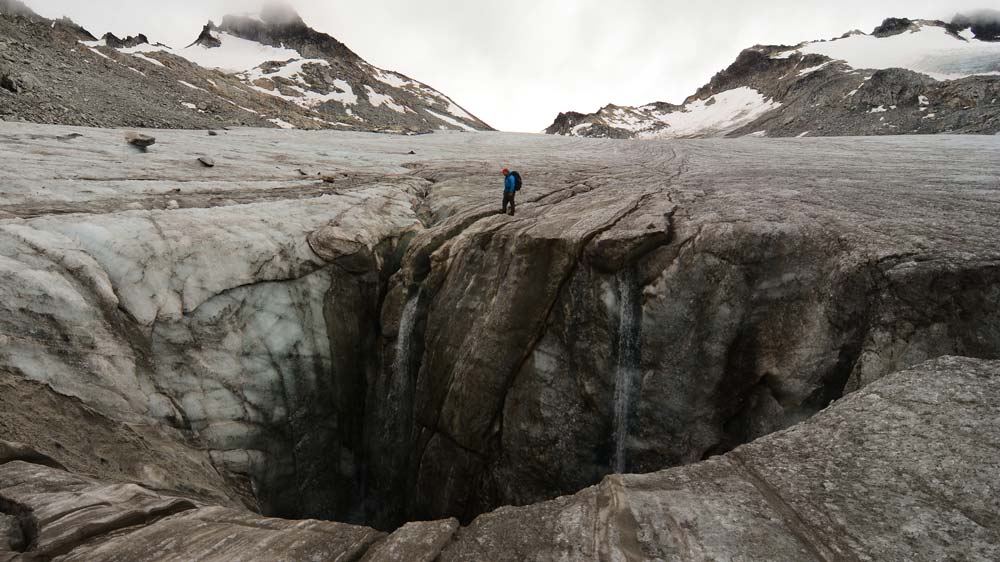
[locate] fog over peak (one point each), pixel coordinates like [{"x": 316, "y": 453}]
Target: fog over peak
[
  {"x": 978, "y": 17},
  {"x": 280, "y": 13}
]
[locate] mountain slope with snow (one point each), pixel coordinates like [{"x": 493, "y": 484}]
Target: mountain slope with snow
[
  {"x": 268, "y": 69},
  {"x": 908, "y": 76}
]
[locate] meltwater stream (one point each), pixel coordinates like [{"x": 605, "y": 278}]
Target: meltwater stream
[
  {"x": 401, "y": 365},
  {"x": 399, "y": 387},
  {"x": 627, "y": 370}
]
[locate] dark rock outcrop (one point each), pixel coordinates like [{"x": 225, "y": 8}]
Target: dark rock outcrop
[
  {"x": 207, "y": 38},
  {"x": 893, "y": 26},
  {"x": 127, "y": 43}
]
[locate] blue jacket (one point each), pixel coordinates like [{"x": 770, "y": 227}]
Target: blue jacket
[{"x": 508, "y": 184}]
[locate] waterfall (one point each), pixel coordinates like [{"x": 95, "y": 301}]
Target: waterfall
[
  {"x": 398, "y": 386},
  {"x": 401, "y": 365},
  {"x": 627, "y": 369}
]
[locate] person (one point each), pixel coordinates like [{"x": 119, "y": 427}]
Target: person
[{"x": 509, "y": 191}]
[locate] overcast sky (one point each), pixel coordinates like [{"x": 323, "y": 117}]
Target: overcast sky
[{"x": 517, "y": 63}]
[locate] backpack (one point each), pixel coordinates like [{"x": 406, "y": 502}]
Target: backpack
[{"x": 517, "y": 181}]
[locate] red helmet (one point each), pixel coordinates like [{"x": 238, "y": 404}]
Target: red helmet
[{"x": 506, "y": 171}]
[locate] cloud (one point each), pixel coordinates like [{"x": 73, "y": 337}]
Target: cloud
[
  {"x": 280, "y": 13},
  {"x": 518, "y": 63},
  {"x": 978, "y": 17}
]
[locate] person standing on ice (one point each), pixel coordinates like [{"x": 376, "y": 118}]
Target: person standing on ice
[{"x": 511, "y": 185}]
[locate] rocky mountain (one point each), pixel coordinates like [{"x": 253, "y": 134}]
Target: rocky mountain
[
  {"x": 265, "y": 70},
  {"x": 906, "y": 77},
  {"x": 342, "y": 326}
]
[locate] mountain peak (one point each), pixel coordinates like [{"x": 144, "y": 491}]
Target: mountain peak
[
  {"x": 279, "y": 25},
  {"x": 207, "y": 38}
]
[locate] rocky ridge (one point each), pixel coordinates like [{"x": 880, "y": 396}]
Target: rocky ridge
[
  {"x": 359, "y": 336},
  {"x": 269, "y": 70},
  {"x": 907, "y": 77}
]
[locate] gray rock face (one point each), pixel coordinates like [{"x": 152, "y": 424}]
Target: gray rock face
[
  {"x": 387, "y": 348},
  {"x": 884, "y": 474},
  {"x": 96, "y": 445},
  {"x": 903, "y": 469},
  {"x": 11, "y": 535}
]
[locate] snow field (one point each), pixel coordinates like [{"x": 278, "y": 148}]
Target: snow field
[
  {"x": 731, "y": 110},
  {"x": 930, "y": 50},
  {"x": 236, "y": 55}
]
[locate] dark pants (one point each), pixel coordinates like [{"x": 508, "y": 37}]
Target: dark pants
[{"x": 508, "y": 198}]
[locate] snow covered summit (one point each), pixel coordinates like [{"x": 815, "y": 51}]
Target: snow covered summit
[
  {"x": 275, "y": 53},
  {"x": 934, "y": 48},
  {"x": 907, "y": 76}
]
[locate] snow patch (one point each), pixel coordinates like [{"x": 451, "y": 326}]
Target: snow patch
[
  {"x": 457, "y": 111},
  {"x": 802, "y": 135},
  {"x": 98, "y": 53},
  {"x": 812, "y": 69},
  {"x": 236, "y": 54},
  {"x": 377, "y": 100},
  {"x": 192, "y": 86},
  {"x": 390, "y": 78},
  {"x": 720, "y": 114},
  {"x": 924, "y": 100},
  {"x": 189, "y": 105},
  {"x": 930, "y": 50},
  {"x": 291, "y": 70},
  {"x": 450, "y": 121},
  {"x": 144, "y": 48},
  {"x": 281, "y": 123},
  {"x": 309, "y": 99},
  {"x": 577, "y": 129},
  {"x": 149, "y": 59},
  {"x": 879, "y": 109}
]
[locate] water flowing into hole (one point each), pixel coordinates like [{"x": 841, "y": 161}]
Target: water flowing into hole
[
  {"x": 399, "y": 391},
  {"x": 401, "y": 365},
  {"x": 627, "y": 370}
]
